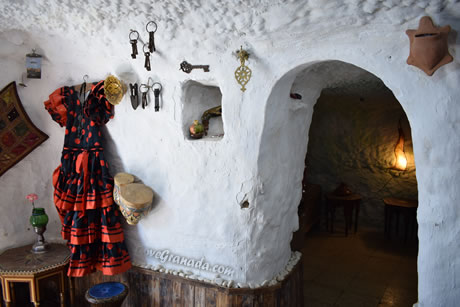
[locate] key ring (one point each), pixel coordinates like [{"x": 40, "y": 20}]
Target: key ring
[
  {"x": 143, "y": 48},
  {"x": 133, "y": 31},
  {"x": 143, "y": 85},
  {"x": 147, "y": 26},
  {"x": 152, "y": 87}
]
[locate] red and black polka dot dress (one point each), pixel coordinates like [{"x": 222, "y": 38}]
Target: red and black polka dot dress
[{"x": 83, "y": 186}]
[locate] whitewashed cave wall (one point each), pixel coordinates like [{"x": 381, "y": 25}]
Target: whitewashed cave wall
[{"x": 200, "y": 184}]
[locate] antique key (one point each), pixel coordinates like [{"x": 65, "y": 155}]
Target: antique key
[
  {"x": 147, "y": 58},
  {"x": 133, "y": 42},
  {"x": 156, "y": 93},
  {"x": 144, "y": 98},
  {"x": 151, "y": 35},
  {"x": 187, "y": 67}
]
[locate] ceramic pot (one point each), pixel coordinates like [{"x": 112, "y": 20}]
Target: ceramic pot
[
  {"x": 428, "y": 46},
  {"x": 135, "y": 201},
  {"x": 120, "y": 180}
]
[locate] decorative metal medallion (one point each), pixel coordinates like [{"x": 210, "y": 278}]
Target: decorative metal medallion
[{"x": 243, "y": 73}]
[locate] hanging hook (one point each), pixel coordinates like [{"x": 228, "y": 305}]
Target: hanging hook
[
  {"x": 150, "y": 80},
  {"x": 22, "y": 81},
  {"x": 85, "y": 78}
]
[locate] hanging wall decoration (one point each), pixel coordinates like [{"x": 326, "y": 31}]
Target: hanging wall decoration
[
  {"x": 428, "y": 46},
  {"x": 34, "y": 65},
  {"x": 187, "y": 67},
  {"x": 134, "y": 95},
  {"x": 147, "y": 48},
  {"x": 156, "y": 88},
  {"x": 18, "y": 135},
  {"x": 243, "y": 73},
  {"x": 144, "y": 89},
  {"x": 133, "y": 37},
  {"x": 133, "y": 198},
  {"x": 147, "y": 57},
  {"x": 151, "y": 35}
]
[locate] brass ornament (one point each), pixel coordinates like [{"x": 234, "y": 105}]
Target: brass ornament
[
  {"x": 243, "y": 73},
  {"x": 428, "y": 46},
  {"x": 113, "y": 89}
]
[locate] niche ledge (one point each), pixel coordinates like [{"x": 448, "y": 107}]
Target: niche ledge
[{"x": 199, "y": 98}]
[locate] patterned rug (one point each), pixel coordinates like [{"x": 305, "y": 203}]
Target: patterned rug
[{"x": 18, "y": 135}]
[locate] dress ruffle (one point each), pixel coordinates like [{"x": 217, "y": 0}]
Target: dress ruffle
[
  {"x": 69, "y": 181},
  {"x": 55, "y": 105},
  {"x": 112, "y": 259}
]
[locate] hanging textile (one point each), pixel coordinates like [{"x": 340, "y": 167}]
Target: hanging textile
[
  {"x": 83, "y": 193},
  {"x": 18, "y": 135}
]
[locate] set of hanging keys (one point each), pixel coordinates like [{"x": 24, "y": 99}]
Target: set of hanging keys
[
  {"x": 156, "y": 87},
  {"x": 147, "y": 48},
  {"x": 144, "y": 89}
]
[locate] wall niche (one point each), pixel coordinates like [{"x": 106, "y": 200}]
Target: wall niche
[{"x": 199, "y": 98}]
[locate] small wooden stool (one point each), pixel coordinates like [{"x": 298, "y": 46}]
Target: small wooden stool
[{"x": 107, "y": 294}]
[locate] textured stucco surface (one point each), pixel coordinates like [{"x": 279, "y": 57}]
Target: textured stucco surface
[{"x": 200, "y": 185}]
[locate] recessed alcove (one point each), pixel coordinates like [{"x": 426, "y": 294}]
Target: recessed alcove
[{"x": 198, "y": 98}]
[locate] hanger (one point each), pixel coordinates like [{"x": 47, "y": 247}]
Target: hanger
[{"x": 87, "y": 86}]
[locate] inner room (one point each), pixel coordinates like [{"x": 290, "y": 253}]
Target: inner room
[{"x": 351, "y": 161}]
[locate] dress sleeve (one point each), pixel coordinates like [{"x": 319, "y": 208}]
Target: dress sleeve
[
  {"x": 98, "y": 108},
  {"x": 56, "y": 105}
]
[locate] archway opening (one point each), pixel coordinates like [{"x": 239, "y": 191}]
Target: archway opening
[{"x": 351, "y": 123}]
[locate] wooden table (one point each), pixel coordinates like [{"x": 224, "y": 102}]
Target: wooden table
[
  {"x": 349, "y": 203},
  {"x": 395, "y": 206},
  {"x": 21, "y": 265}
]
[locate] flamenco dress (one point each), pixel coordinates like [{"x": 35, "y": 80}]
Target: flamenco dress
[{"x": 83, "y": 187}]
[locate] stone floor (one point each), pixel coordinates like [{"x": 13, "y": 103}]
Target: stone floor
[{"x": 363, "y": 269}]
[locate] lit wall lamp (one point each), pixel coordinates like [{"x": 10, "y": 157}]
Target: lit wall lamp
[{"x": 401, "y": 160}]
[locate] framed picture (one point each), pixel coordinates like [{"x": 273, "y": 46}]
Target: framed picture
[{"x": 34, "y": 65}]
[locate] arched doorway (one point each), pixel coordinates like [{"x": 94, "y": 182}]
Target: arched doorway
[{"x": 345, "y": 143}]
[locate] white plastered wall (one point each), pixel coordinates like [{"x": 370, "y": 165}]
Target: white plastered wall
[{"x": 200, "y": 185}]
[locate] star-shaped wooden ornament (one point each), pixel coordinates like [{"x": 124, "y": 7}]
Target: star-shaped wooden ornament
[{"x": 428, "y": 46}]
